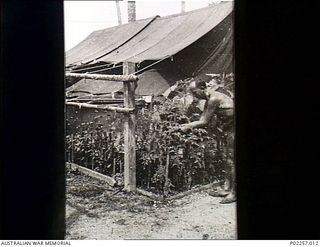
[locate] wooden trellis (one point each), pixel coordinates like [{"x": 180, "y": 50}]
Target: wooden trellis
[{"x": 129, "y": 83}]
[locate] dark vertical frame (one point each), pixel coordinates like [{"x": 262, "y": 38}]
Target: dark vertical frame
[
  {"x": 277, "y": 119},
  {"x": 32, "y": 120}
]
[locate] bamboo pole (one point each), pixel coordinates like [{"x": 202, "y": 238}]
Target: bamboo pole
[
  {"x": 120, "y": 78},
  {"x": 92, "y": 150},
  {"x": 72, "y": 148},
  {"x": 166, "y": 182},
  {"x": 101, "y": 107},
  {"x": 113, "y": 167}
]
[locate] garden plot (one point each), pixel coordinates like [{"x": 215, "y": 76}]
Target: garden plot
[
  {"x": 95, "y": 210},
  {"x": 167, "y": 162}
]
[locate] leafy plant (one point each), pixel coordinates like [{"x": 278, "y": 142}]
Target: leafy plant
[{"x": 167, "y": 161}]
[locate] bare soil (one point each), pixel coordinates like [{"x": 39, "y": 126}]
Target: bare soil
[{"x": 95, "y": 210}]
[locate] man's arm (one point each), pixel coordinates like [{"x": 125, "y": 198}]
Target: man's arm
[{"x": 206, "y": 116}]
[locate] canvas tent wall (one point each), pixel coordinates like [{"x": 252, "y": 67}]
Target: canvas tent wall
[{"x": 187, "y": 44}]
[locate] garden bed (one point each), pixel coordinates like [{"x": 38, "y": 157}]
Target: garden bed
[
  {"x": 168, "y": 162},
  {"x": 111, "y": 182},
  {"x": 96, "y": 210}
]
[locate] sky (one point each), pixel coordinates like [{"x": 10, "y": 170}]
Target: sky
[{"x": 83, "y": 17}]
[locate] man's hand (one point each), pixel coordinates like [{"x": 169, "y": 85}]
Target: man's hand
[
  {"x": 181, "y": 128},
  {"x": 174, "y": 129},
  {"x": 184, "y": 127}
]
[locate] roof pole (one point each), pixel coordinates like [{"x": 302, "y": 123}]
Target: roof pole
[{"x": 130, "y": 118}]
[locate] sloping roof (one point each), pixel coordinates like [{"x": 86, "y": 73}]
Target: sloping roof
[
  {"x": 101, "y": 42},
  {"x": 150, "y": 39}
]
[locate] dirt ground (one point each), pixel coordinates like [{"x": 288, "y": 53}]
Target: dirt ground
[{"x": 95, "y": 210}]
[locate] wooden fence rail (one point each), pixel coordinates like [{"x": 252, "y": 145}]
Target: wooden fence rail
[
  {"x": 102, "y": 107},
  {"x": 120, "y": 78}
]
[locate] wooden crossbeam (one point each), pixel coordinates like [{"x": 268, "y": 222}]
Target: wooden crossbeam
[
  {"x": 120, "y": 78},
  {"x": 102, "y": 107}
]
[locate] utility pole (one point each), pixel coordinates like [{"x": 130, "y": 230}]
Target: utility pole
[
  {"x": 183, "y": 6},
  {"x": 130, "y": 118},
  {"x": 118, "y": 12}
]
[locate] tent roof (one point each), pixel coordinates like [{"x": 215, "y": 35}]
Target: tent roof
[
  {"x": 149, "y": 39},
  {"x": 95, "y": 86},
  {"x": 104, "y": 41}
]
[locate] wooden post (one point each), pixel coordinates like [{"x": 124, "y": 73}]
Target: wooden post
[
  {"x": 130, "y": 119},
  {"x": 129, "y": 131}
]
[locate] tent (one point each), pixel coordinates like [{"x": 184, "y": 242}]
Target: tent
[{"x": 165, "y": 49}]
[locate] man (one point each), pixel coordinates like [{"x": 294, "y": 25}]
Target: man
[{"x": 218, "y": 114}]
